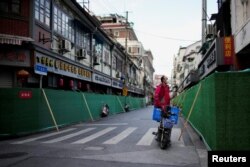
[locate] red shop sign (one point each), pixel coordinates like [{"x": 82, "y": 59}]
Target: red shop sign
[
  {"x": 25, "y": 94},
  {"x": 228, "y": 50}
]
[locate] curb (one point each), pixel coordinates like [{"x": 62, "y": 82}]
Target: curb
[{"x": 197, "y": 142}]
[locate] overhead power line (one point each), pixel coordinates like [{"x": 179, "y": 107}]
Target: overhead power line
[{"x": 164, "y": 37}]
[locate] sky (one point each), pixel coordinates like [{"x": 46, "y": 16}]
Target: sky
[{"x": 163, "y": 26}]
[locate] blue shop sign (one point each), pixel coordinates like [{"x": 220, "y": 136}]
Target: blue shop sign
[{"x": 40, "y": 69}]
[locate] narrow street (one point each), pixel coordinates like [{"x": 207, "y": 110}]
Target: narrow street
[{"x": 123, "y": 140}]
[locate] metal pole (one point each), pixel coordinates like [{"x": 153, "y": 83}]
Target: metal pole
[
  {"x": 126, "y": 56},
  {"x": 204, "y": 20},
  {"x": 41, "y": 82},
  {"x": 126, "y": 46}
]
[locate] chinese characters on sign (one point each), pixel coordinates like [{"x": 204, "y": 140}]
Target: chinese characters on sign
[
  {"x": 63, "y": 68},
  {"x": 228, "y": 50},
  {"x": 23, "y": 94}
]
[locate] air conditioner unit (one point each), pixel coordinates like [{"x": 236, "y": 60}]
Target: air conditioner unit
[
  {"x": 96, "y": 61},
  {"x": 82, "y": 54},
  {"x": 135, "y": 82},
  {"x": 129, "y": 80},
  {"x": 65, "y": 45},
  {"x": 210, "y": 31},
  {"x": 118, "y": 74}
]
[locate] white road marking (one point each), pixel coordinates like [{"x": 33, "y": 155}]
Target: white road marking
[
  {"x": 175, "y": 134},
  {"x": 114, "y": 124},
  {"x": 94, "y": 136},
  {"x": 120, "y": 136},
  {"x": 148, "y": 138},
  {"x": 69, "y": 136},
  {"x": 44, "y": 136}
]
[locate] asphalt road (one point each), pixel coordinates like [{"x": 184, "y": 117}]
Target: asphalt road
[{"x": 122, "y": 140}]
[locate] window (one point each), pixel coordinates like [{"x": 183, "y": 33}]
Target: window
[
  {"x": 106, "y": 54},
  {"x": 134, "y": 50},
  {"x": 10, "y": 6},
  {"x": 129, "y": 50},
  {"x": 79, "y": 38},
  {"x": 116, "y": 34},
  {"x": 119, "y": 65},
  {"x": 42, "y": 11},
  {"x": 190, "y": 59},
  {"x": 114, "y": 62},
  {"x": 63, "y": 24},
  {"x": 82, "y": 39}
]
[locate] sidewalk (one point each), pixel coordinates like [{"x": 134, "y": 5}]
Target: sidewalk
[{"x": 197, "y": 142}]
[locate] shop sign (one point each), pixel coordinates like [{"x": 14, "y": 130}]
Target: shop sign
[
  {"x": 19, "y": 58},
  {"x": 220, "y": 53},
  {"x": 130, "y": 89},
  {"x": 210, "y": 60},
  {"x": 117, "y": 84},
  {"x": 101, "y": 80},
  {"x": 125, "y": 91},
  {"x": 25, "y": 94},
  {"x": 62, "y": 68},
  {"x": 40, "y": 69},
  {"x": 228, "y": 48}
]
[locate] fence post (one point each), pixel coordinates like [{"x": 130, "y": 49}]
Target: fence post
[
  {"x": 50, "y": 110},
  {"x": 190, "y": 111},
  {"x": 87, "y": 106},
  {"x": 120, "y": 103}
]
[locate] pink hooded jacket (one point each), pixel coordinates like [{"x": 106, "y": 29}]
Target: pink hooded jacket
[{"x": 161, "y": 97}]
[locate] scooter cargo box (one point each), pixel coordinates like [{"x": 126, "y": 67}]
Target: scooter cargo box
[{"x": 156, "y": 114}]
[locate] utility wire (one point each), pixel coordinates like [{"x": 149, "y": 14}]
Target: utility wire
[
  {"x": 111, "y": 5},
  {"x": 104, "y": 6},
  {"x": 164, "y": 37}
]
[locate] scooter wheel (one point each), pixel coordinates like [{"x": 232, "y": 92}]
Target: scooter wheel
[{"x": 163, "y": 141}]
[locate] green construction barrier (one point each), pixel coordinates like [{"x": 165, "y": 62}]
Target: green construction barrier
[
  {"x": 20, "y": 116},
  {"x": 221, "y": 113}
]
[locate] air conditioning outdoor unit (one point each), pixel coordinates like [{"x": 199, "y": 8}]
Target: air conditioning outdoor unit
[
  {"x": 118, "y": 74},
  {"x": 96, "y": 61},
  {"x": 82, "y": 54},
  {"x": 210, "y": 31},
  {"x": 65, "y": 45},
  {"x": 135, "y": 82},
  {"x": 129, "y": 80}
]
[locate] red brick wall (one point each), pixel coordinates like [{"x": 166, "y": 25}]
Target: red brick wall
[
  {"x": 14, "y": 27},
  {"x": 16, "y": 24}
]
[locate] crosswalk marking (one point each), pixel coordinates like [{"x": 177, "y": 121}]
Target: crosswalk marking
[
  {"x": 68, "y": 136},
  {"x": 175, "y": 136},
  {"x": 148, "y": 138},
  {"x": 96, "y": 135},
  {"x": 111, "y": 124},
  {"x": 44, "y": 136},
  {"x": 120, "y": 136}
]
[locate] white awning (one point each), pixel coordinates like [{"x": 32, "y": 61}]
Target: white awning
[{"x": 13, "y": 39}]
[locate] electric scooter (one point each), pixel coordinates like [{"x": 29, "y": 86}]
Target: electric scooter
[{"x": 167, "y": 121}]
